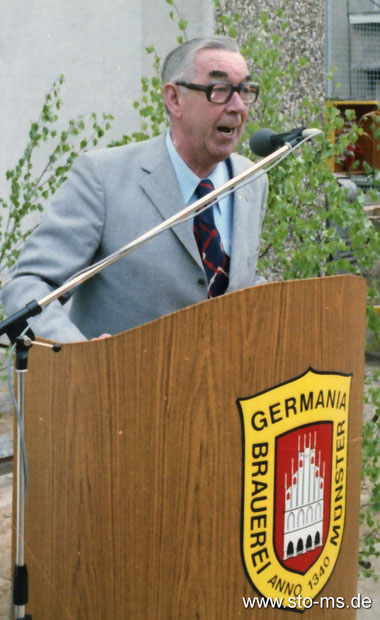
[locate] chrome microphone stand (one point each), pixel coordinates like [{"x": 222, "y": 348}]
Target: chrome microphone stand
[
  {"x": 20, "y": 572},
  {"x": 20, "y": 575}
]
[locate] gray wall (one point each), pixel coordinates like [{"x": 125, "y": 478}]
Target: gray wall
[{"x": 99, "y": 45}]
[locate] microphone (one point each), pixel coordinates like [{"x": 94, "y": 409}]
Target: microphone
[{"x": 265, "y": 141}]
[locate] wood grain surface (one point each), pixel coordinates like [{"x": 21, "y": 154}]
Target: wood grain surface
[{"x": 135, "y": 453}]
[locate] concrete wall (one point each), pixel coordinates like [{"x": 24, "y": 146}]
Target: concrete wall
[
  {"x": 99, "y": 46},
  {"x": 337, "y": 53},
  {"x": 304, "y": 37},
  {"x": 341, "y": 51}
]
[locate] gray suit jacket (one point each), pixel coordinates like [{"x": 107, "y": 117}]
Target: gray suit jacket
[{"x": 110, "y": 198}]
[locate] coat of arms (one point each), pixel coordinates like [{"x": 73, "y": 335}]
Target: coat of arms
[{"x": 294, "y": 484}]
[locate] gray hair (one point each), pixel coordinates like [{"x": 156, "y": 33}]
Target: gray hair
[{"x": 179, "y": 63}]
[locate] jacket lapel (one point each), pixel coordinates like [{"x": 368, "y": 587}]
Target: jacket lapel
[{"x": 160, "y": 184}]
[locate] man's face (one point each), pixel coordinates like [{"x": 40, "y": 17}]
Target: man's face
[{"x": 206, "y": 133}]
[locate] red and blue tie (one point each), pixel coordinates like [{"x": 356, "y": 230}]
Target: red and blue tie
[{"x": 216, "y": 262}]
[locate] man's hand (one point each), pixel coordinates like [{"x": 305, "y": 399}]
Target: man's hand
[{"x": 102, "y": 336}]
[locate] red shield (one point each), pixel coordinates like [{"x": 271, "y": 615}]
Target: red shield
[{"x": 302, "y": 495}]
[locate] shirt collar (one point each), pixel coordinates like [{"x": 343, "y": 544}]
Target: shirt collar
[{"x": 187, "y": 179}]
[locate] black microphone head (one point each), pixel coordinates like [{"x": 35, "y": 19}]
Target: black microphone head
[{"x": 260, "y": 142}]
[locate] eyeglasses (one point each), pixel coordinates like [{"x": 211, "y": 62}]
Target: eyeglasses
[{"x": 221, "y": 92}]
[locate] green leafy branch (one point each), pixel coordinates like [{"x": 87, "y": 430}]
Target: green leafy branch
[{"x": 29, "y": 190}]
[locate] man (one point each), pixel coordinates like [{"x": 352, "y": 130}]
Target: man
[{"x": 112, "y": 196}]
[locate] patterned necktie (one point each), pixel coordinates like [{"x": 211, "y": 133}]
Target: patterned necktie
[{"x": 216, "y": 262}]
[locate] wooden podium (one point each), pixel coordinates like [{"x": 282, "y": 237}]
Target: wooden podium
[{"x": 136, "y": 454}]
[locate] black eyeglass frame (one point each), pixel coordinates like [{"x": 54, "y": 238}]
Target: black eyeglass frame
[{"x": 207, "y": 89}]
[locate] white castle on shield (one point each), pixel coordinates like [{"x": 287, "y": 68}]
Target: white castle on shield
[{"x": 303, "y": 516}]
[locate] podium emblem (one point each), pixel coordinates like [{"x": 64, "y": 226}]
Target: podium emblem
[{"x": 294, "y": 485}]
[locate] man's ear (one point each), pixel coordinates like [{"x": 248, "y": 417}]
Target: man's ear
[{"x": 171, "y": 95}]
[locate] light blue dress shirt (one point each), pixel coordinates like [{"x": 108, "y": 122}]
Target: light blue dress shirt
[{"x": 189, "y": 181}]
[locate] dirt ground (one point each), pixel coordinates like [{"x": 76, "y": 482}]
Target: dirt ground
[{"x": 366, "y": 587}]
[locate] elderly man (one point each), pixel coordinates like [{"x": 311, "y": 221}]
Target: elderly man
[{"x": 112, "y": 196}]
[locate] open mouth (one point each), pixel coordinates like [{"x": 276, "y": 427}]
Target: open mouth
[{"x": 226, "y": 131}]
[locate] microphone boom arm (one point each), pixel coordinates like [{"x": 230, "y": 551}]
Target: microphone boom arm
[{"x": 177, "y": 218}]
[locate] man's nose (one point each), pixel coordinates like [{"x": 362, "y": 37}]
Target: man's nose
[{"x": 236, "y": 104}]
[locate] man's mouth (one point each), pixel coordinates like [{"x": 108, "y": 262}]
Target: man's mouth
[{"x": 226, "y": 131}]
